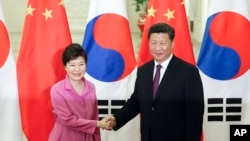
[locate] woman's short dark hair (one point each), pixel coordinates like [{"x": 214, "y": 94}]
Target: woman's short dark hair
[
  {"x": 162, "y": 28},
  {"x": 72, "y": 51}
]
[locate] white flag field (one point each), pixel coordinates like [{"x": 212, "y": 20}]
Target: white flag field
[
  {"x": 10, "y": 120},
  {"x": 111, "y": 64},
  {"x": 224, "y": 66}
]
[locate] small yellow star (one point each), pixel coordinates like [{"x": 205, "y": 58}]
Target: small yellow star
[
  {"x": 47, "y": 14},
  {"x": 61, "y": 3},
  {"x": 29, "y": 10},
  {"x": 151, "y": 11},
  {"x": 170, "y": 14},
  {"x": 182, "y": 3}
]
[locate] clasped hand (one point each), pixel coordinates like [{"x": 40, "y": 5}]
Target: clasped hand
[{"x": 107, "y": 123}]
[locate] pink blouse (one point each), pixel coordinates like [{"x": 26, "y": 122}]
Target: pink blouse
[{"x": 75, "y": 115}]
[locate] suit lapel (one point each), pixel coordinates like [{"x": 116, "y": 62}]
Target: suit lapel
[
  {"x": 168, "y": 75},
  {"x": 145, "y": 77},
  {"x": 150, "y": 79}
]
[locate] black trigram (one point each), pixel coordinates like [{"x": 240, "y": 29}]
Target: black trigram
[
  {"x": 220, "y": 110},
  {"x": 108, "y": 107}
]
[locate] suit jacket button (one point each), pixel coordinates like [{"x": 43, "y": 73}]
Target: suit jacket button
[{"x": 152, "y": 108}]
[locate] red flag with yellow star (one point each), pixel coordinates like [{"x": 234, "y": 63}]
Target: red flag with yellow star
[
  {"x": 45, "y": 35},
  {"x": 171, "y": 12}
]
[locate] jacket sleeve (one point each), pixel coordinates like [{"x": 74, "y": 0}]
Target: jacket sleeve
[
  {"x": 194, "y": 107},
  {"x": 129, "y": 110}
]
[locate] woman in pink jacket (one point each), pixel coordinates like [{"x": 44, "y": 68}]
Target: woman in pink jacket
[{"x": 74, "y": 101}]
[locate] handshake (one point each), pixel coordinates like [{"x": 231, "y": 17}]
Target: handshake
[{"x": 107, "y": 123}]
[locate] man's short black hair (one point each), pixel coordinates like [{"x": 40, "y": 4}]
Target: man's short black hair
[{"x": 162, "y": 28}]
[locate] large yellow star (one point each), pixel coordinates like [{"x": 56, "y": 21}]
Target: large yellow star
[
  {"x": 47, "y": 14},
  {"x": 29, "y": 10},
  {"x": 151, "y": 11},
  {"x": 170, "y": 14}
]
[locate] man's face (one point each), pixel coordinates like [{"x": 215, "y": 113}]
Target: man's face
[{"x": 160, "y": 46}]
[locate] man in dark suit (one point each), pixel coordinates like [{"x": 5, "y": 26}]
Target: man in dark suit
[{"x": 175, "y": 112}]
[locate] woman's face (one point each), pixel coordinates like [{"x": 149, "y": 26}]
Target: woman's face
[
  {"x": 76, "y": 68},
  {"x": 160, "y": 46}
]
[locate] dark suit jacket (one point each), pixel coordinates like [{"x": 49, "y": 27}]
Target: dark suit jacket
[{"x": 176, "y": 113}]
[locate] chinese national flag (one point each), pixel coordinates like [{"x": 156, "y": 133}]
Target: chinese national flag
[
  {"x": 171, "y": 12},
  {"x": 45, "y": 35}
]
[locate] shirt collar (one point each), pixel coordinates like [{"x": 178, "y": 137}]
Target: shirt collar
[
  {"x": 69, "y": 86},
  {"x": 166, "y": 62}
]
